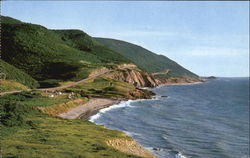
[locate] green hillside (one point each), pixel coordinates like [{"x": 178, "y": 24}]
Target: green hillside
[
  {"x": 9, "y": 72},
  {"x": 26, "y": 132},
  {"x": 51, "y": 56},
  {"x": 9, "y": 20},
  {"x": 147, "y": 60},
  {"x": 82, "y": 41}
]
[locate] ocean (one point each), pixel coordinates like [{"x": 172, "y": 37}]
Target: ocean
[{"x": 204, "y": 120}]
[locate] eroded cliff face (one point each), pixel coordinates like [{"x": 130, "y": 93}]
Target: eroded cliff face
[
  {"x": 131, "y": 74},
  {"x": 140, "y": 94},
  {"x": 134, "y": 76}
]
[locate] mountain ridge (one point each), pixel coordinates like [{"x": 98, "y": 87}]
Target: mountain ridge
[
  {"x": 147, "y": 60},
  {"x": 53, "y": 56},
  {"x": 50, "y": 56},
  {"x": 72, "y": 68}
]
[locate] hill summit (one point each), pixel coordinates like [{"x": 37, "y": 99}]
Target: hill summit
[
  {"x": 159, "y": 65},
  {"x": 50, "y": 57}
]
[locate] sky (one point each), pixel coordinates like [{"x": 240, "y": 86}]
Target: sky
[{"x": 208, "y": 38}]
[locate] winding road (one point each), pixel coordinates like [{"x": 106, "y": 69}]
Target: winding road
[{"x": 63, "y": 86}]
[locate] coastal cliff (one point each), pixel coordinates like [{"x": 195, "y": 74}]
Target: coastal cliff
[
  {"x": 63, "y": 70},
  {"x": 137, "y": 78},
  {"x": 132, "y": 74}
]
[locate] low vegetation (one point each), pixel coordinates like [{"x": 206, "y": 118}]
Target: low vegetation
[
  {"x": 10, "y": 85},
  {"x": 102, "y": 87},
  {"x": 9, "y": 72},
  {"x": 63, "y": 107},
  {"x": 15, "y": 107},
  {"x": 26, "y": 132}
]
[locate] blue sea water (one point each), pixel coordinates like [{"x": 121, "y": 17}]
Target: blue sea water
[{"x": 206, "y": 120}]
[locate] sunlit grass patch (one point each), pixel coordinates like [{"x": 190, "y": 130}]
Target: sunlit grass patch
[
  {"x": 10, "y": 85},
  {"x": 61, "y": 138},
  {"x": 103, "y": 87},
  {"x": 26, "y": 132},
  {"x": 63, "y": 107}
]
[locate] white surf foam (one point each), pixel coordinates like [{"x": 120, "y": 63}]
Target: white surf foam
[
  {"x": 94, "y": 117},
  {"x": 145, "y": 88},
  {"x": 115, "y": 106},
  {"x": 180, "y": 155},
  {"x": 161, "y": 85},
  {"x": 131, "y": 134}
]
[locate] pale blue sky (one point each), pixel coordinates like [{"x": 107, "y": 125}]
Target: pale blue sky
[{"x": 208, "y": 38}]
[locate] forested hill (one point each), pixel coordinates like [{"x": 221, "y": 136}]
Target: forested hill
[
  {"x": 55, "y": 56},
  {"x": 147, "y": 60},
  {"x": 51, "y": 56}
]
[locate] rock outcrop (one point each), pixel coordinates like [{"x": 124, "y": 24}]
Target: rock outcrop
[
  {"x": 140, "y": 94},
  {"x": 134, "y": 76},
  {"x": 131, "y": 74},
  {"x": 129, "y": 146}
]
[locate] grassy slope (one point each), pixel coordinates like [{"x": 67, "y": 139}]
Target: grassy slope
[
  {"x": 10, "y": 20},
  {"x": 12, "y": 73},
  {"x": 41, "y": 53},
  {"x": 40, "y": 135},
  {"x": 10, "y": 85},
  {"x": 102, "y": 87},
  {"x": 51, "y": 56},
  {"x": 82, "y": 41},
  {"x": 146, "y": 60}
]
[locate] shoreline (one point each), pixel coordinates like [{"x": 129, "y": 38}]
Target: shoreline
[
  {"x": 94, "y": 105},
  {"x": 173, "y": 84},
  {"x": 88, "y": 109},
  {"x": 85, "y": 111},
  {"x": 91, "y": 108}
]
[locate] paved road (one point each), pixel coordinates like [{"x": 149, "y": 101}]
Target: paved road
[
  {"x": 160, "y": 73},
  {"x": 10, "y": 92},
  {"x": 61, "y": 87},
  {"x": 74, "y": 83}
]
